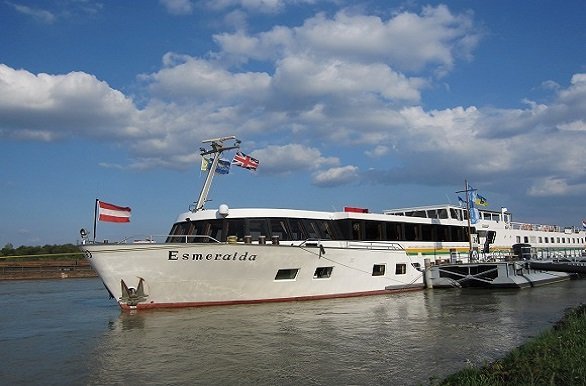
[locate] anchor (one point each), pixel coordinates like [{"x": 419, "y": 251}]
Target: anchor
[{"x": 132, "y": 296}]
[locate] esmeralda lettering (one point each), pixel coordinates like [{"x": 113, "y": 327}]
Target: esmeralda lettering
[{"x": 175, "y": 255}]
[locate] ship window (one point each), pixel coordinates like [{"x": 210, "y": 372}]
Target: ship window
[
  {"x": 378, "y": 270},
  {"x": 287, "y": 274},
  {"x": 279, "y": 228},
  {"x": 311, "y": 228},
  {"x": 327, "y": 230},
  {"x": 442, "y": 213},
  {"x": 356, "y": 233},
  {"x": 525, "y": 239},
  {"x": 323, "y": 272},
  {"x": 215, "y": 229},
  {"x": 395, "y": 231},
  {"x": 374, "y": 230},
  {"x": 178, "y": 229},
  {"x": 257, "y": 227},
  {"x": 400, "y": 269},
  {"x": 235, "y": 227},
  {"x": 296, "y": 229}
]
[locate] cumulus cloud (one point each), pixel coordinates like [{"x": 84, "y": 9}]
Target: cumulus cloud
[
  {"x": 291, "y": 157},
  {"x": 46, "y": 107},
  {"x": 332, "y": 83},
  {"x": 336, "y": 176}
]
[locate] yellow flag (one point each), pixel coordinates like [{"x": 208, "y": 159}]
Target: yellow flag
[{"x": 204, "y": 164}]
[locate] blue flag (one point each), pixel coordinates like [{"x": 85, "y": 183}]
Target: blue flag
[{"x": 223, "y": 166}]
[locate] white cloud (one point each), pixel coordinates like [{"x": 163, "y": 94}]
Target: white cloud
[
  {"x": 292, "y": 157},
  {"x": 45, "y": 107},
  {"x": 336, "y": 176},
  {"x": 39, "y": 14},
  {"x": 345, "y": 81},
  {"x": 178, "y": 7}
]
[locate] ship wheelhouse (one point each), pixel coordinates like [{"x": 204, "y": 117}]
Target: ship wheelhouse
[{"x": 300, "y": 229}]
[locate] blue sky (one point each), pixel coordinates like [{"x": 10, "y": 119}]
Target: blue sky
[{"x": 377, "y": 104}]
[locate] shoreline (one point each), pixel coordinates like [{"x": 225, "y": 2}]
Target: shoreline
[
  {"x": 554, "y": 357},
  {"x": 46, "y": 269}
]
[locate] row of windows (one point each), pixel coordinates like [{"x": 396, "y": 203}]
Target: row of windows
[
  {"x": 326, "y": 272},
  {"x": 442, "y": 213},
  {"x": 302, "y": 229},
  {"x": 550, "y": 240}
]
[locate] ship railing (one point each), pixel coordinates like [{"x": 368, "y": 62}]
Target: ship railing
[
  {"x": 158, "y": 239},
  {"x": 378, "y": 245},
  {"x": 535, "y": 227}
]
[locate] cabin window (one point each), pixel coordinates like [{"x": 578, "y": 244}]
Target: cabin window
[
  {"x": 374, "y": 230},
  {"x": 410, "y": 232},
  {"x": 378, "y": 270},
  {"x": 526, "y": 239},
  {"x": 215, "y": 229},
  {"x": 395, "y": 232},
  {"x": 235, "y": 227},
  {"x": 356, "y": 231},
  {"x": 323, "y": 272},
  {"x": 287, "y": 274},
  {"x": 279, "y": 228},
  {"x": 257, "y": 227},
  {"x": 296, "y": 229},
  {"x": 327, "y": 230},
  {"x": 540, "y": 239},
  {"x": 311, "y": 228},
  {"x": 518, "y": 239},
  {"x": 400, "y": 269},
  {"x": 427, "y": 233},
  {"x": 178, "y": 229}
]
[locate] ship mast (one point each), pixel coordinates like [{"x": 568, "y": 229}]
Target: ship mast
[{"x": 217, "y": 148}]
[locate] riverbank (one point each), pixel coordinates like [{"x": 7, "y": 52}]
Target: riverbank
[
  {"x": 555, "y": 357},
  {"x": 20, "y": 269}
]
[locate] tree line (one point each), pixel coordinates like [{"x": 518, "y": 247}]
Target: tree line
[{"x": 63, "y": 251}]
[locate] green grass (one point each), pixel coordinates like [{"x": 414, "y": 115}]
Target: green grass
[{"x": 556, "y": 357}]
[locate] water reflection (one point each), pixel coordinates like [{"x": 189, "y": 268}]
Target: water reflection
[{"x": 398, "y": 339}]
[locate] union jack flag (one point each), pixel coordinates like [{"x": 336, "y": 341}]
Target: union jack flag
[{"x": 245, "y": 161}]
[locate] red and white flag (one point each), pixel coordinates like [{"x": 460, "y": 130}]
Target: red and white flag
[
  {"x": 113, "y": 213},
  {"x": 245, "y": 161}
]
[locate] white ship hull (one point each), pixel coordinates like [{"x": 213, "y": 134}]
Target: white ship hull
[{"x": 184, "y": 275}]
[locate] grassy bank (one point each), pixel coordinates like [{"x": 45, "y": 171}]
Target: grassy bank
[{"x": 556, "y": 357}]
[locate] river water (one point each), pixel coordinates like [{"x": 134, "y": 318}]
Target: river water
[{"x": 56, "y": 332}]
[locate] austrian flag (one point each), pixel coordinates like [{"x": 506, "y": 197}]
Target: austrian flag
[
  {"x": 245, "y": 161},
  {"x": 113, "y": 213}
]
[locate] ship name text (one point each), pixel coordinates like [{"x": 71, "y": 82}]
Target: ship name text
[{"x": 175, "y": 255}]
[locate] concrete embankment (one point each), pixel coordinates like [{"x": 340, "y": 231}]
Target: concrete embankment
[{"x": 45, "y": 269}]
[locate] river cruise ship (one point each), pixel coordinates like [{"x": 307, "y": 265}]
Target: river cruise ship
[{"x": 231, "y": 255}]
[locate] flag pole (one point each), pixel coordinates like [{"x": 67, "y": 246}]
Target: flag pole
[
  {"x": 95, "y": 217},
  {"x": 469, "y": 227}
]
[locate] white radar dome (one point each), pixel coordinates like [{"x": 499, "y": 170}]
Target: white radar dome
[{"x": 223, "y": 210}]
